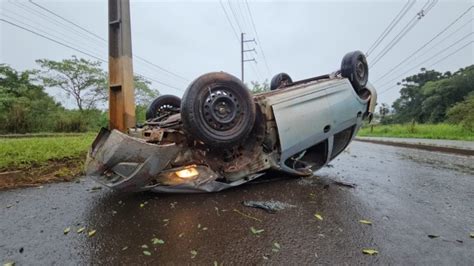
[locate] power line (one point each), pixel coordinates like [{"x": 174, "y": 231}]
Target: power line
[
  {"x": 53, "y": 40},
  {"x": 409, "y": 4},
  {"x": 234, "y": 16},
  {"x": 78, "y": 50},
  {"x": 56, "y": 22},
  {"x": 258, "y": 38},
  {"x": 41, "y": 29},
  {"x": 410, "y": 25},
  {"x": 67, "y": 20},
  {"x": 104, "y": 40},
  {"x": 432, "y": 57},
  {"x": 230, "y": 23},
  {"x": 424, "y": 45},
  {"x": 442, "y": 59}
]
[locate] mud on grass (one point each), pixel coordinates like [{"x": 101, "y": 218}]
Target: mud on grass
[{"x": 54, "y": 171}]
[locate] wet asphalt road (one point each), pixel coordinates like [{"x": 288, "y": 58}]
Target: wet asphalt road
[{"x": 407, "y": 194}]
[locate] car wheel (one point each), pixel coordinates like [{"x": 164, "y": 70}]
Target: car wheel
[
  {"x": 163, "y": 104},
  {"x": 280, "y": 79},
  {"x": 218, "y": 109},
  {"x": 354, "y": 67}
]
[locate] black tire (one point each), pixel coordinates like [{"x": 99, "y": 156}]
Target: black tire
[
  {"x": 218, "y": 109},
  {"x": 280, "y": 79},
  {"x": 163, "y": 103},
  {"x": 354, "y": 67}
]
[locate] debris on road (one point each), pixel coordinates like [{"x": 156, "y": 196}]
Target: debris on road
[
  {"x": 9, "y": 263},
  {"x": 157, "y": 241},
  {"x": 318, "y": 216},
  {"x": 271, "y": 206},
  {"x": 246, "y": 215},
  {"x": 146, "y": 253},
  {"x": 80, "y": 230},
  {"x": 345, "y": 184},
  {"x": 433, "y": 236},
  {"x": 256, "y": 231},
  {"x": 193, "y": 254},
  {"x": 472, "y": 235},
  {"x": 66, "y": 231},
  {"x": 94, "y": 189},
  {"x": 91, "y": 233},
  {"x": 276, "y": 247},
  {"x": 365, "y": 222},
  {"x": 370, "y": 251},
  {"x": 124, "y": 248},
  {"x": 144, "y": 246}
]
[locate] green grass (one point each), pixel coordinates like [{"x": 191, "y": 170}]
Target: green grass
[
  {"x": 23, "y": 152},
  {"x": 426, "y": 131}
]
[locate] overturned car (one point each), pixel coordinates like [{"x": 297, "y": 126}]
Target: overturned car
[{"x": 219, "y": 135}]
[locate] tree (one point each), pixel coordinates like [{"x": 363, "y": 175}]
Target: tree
[
  {"x": 258, "y": 88},
  {"x": 463, "y": 113},
  {"x": 24, "y": 107},
  {"x": 81, "y": 79},
  {"x": 426, "y": 96}
]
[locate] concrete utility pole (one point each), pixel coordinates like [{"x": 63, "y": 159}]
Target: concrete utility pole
[
  {"x": 243, "y": 51},
  {"x": 121, "y": 88}
]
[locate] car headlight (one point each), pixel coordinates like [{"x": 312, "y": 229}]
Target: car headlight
[{"x": 187, "y": 173}]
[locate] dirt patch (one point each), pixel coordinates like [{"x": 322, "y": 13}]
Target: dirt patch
[{"x": 53, "y": 171}]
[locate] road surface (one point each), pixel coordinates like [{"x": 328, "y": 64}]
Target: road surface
[{"x": 407, "y": 194}]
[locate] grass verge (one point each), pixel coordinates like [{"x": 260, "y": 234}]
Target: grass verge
[
  {"x": 36, "y": 160},
  {"x": 425, "y": 131}
]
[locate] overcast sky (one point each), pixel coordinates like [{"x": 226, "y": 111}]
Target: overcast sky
[{"x": 190, "y": 38}]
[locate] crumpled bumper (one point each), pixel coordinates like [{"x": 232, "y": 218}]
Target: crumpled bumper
[{"x": 126, "y": 163}]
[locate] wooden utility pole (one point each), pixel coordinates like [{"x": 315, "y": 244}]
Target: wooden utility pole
[{"x": 121, "y": 88}]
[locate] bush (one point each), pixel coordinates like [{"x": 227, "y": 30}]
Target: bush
[{"x": 463, "y": 113}]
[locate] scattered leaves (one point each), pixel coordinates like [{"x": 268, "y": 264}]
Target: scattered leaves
[
  {"x": 146, "y": 253},
  {"x": 193, "y": 254},
  {"x": 318, "y": 216},
  {"x": 145, "y": 246},
  {"x": 256, "y": 231},
  {"x": 80, "y": 230},
  {"x": 433, "y": 236},
  {"x": 370, "y": 251},
  {"x": 277, "y": 245},
  {"x": 91, "y": 233},
  {"x": 157, "y": 241},
  {"x": 365, "y": 222},
  {"x": 66, "y": 231}
]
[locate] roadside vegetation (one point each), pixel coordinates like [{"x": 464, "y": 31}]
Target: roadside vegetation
[
  {"x": 425, "y": 131},
  {"x": 431, "y": 105},
  {"x": 30, "y": 161}
]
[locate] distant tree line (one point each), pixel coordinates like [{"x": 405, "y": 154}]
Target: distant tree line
[
  {"x": 434, "y": 97},
  {"x": 25, "y": 106}
]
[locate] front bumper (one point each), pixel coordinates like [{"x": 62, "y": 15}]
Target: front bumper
[{"x": 126, "y": 163}]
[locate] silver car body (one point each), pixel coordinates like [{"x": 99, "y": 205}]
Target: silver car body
[{"x": 299, "y": 129}]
